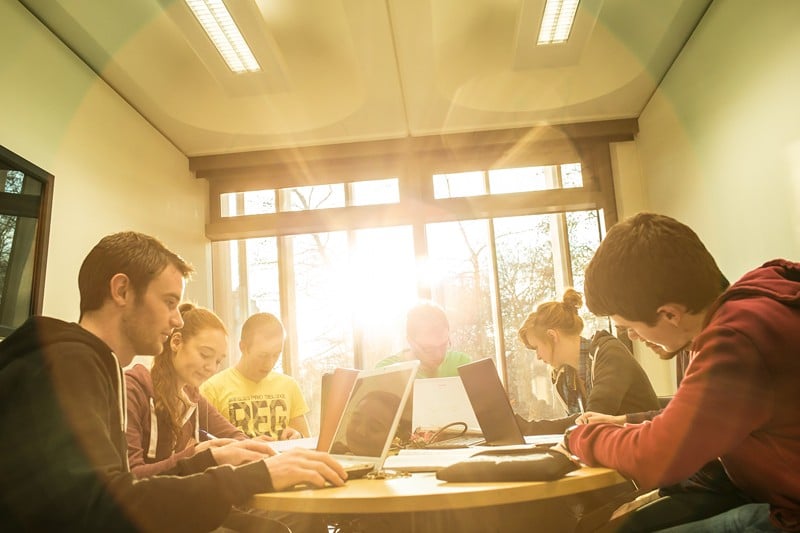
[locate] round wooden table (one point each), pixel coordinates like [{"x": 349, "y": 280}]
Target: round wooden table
[{"x": 423, "y": 492}]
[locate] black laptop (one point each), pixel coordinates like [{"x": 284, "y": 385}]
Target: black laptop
[{"x": 490, "y": 403}]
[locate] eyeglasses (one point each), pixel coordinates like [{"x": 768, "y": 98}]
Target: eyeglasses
[{"x": 424, "y": 348}]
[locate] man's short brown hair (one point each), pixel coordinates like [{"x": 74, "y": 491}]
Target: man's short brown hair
[
  {"x": 138, "y": 256},
  {"x": 266, "y": 323},
  {"x": 646, "y": 261}
]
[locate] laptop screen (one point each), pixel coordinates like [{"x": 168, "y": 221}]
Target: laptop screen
[
  {"x": 373, "y": 410},
  {"x": 442, "y": 401},
  {"x": 490, "y": 403}
]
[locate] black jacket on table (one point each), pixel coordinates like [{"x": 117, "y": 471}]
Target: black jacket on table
[
  {"x": 63, "y": 465},
  {"x": 616, "y": 385}
]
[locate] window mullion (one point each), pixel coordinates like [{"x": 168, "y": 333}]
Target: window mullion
[{"x": 287, "y": 293}]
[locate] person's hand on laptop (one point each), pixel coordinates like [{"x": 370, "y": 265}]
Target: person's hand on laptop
[
  {"x": 300, "y": 465},
  {"x": 241, "y": 451}
]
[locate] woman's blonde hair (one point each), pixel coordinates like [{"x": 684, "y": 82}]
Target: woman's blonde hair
[
  {"x": 562, "y": 316},
  {"x": 169, "y": 403}
]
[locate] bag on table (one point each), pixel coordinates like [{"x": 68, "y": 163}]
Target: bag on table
[{"x": 525, "y": 464}]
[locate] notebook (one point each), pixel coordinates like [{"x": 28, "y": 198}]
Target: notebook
[
  {"x": 490, "y": 403},
  {"x": 370, "y": 417}
]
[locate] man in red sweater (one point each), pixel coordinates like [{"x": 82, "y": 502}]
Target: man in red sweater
[{"x": 739, "y": 399}]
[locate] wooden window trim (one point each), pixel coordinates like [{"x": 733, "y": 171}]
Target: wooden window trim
[{"x": 414, "y": 161}]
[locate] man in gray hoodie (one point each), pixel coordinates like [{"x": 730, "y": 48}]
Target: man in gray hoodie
[{"x": 64, "y": 464}]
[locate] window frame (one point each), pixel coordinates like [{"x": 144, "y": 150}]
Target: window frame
[
  {"x": 32, "y": 207},
  {"x": 413, "y": 161}
]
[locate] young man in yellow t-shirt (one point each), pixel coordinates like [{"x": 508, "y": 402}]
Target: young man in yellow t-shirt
[{"x": 253, "y": 397}]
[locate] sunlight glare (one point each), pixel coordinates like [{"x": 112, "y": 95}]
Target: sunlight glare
[{"x": 382, "y": 278}]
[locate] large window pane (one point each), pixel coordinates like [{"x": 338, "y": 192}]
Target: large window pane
[
  {"x": 525, "y": 270},
  {"x": 584, "y": 231},
  {"x": 251, "y": 266},
  {"x": 262, "y": 276},
  {"x": 383, "y": 280},
  {"x": 460, "y": 276},
  {"x": 323, "y": 336},
  {"x": 17, "y": 245}
]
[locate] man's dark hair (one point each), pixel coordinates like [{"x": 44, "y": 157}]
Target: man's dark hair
[
  {"x": 649, "y": 260},
  {"x": 138, "y": 256}
]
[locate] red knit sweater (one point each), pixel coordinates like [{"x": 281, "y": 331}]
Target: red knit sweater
[{"x": 739, "y": 401}]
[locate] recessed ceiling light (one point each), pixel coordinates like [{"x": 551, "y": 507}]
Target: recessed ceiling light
[
  {"x": 223, "y": 32},
  {"x": 557, "y": 21}
]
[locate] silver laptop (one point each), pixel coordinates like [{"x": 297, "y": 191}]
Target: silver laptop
[{"x": 370, "y": 417}]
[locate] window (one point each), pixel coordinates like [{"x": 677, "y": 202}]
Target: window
[
  {"x": 507, "y": 180},
  {"x": 341, "y": 259},
  {"x": 250, "y": 203},
  {"x": 25, "y": 199}
]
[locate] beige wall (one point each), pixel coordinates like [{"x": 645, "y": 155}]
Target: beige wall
[
  {"x": 113, "y": 171},
  {"x": 719, "y": 142},
  {"x": 629, "y": 189}
]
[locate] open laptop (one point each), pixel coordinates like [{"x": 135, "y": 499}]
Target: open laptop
[
  {"x": 335, "y": 391},
  {"x": 370, "y": 417},
  {"x": 490, "y": 403},
  {"x": 441, "y": 405},
  {"x": 442, "y": 401}
]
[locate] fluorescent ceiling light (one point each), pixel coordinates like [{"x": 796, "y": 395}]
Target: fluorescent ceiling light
[
  {"x": 220, "y": 27},
  {"x": 557, "y": 21}
]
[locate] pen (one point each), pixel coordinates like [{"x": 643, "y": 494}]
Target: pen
[
  {"x": 205, "y": 435},
  {"x": 580, "y": 404}
]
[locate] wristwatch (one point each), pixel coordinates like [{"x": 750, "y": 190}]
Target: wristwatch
[{"x": 565, "y": 441}]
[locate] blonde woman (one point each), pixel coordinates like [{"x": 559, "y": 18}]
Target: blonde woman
[{"x": 598, "y": 375}]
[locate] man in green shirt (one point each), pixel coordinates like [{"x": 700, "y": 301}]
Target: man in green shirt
[{"x": 428, "y": 335}]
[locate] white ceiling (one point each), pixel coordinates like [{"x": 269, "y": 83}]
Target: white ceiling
[{"x": 337, "y": 71}]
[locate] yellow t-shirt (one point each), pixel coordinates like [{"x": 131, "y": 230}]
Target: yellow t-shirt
[{"x": 257, "y": 408}]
